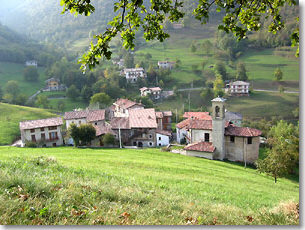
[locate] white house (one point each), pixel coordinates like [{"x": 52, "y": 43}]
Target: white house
[
  {"x": 133, "y": 74},
  {"x": 31, "y": 63},
  {"x": 238, "y": 88},
  {"x": 166, "y": 64},
  {"x": 163, "y": 137},
  {"x": 153, "y": 92},
  {"x": 43, "y": 132}
]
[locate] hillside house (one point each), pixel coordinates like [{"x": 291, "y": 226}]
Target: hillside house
[
  {"x": 53, "y": 84},
  {"x": 43, "y": 132},
  {"x": 166, "y": 64},
  {"x": 120, "y": 63},
  {"x": 219, "y": 139},
  {"x": 31, "y": 63},
  {"x": 164, "y": 120},
  {"x": 154, "y": 92},
  {"x": 122, "y": 107},
  {"x": 132, "y": 75},
  {"x": 238, "y": 88}
]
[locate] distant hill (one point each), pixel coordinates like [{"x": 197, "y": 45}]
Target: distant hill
[{"x": 11, "y": 115}]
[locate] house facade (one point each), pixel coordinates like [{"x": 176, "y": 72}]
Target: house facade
[
  {"x": 122, "y": 107},
  {"x": 154, "y": 93},
  {"x": 31, "y": 63},
  {"x": 53, "y": 84},
  {"x": 238, "y": 88},
  {"x": 219, "y": 138},
  {"x": 164, "y": 120},
  {"x": 166, "y": 64},
  {"x": 132, "y": 75},
  {"x": 43, "y": 132}
]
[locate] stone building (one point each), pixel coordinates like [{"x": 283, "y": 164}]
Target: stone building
[
  {"x": 238, "y": 88},
  {"x": 43, "y": 132},
  {"x": 132, "y": 75},
  {"x": 166, "y": 64},
  {"x": 218, "y": 138},
  {"x": 154, "y": 93},
  {"x": 122, "y": 107}
]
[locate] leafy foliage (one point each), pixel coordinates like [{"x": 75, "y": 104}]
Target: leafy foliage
[
  {"x": 240, "y": 17},
  {"x": 31, "y": 73}
]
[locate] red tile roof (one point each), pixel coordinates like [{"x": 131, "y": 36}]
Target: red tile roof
[
  {"x": 34, "y": 124},
  {"x": 164, "y": 114},
  {"x": 201, "y": 147},
  {"x": 120, "y": 122},
  {"x": 159, "y": 114},
  {"x": 125, "y": 103},
  {"x": 198, "y": 115},
  {"x": 96, "y": 115},
  {"x": 142, "y": 118},
  {"x": 76, "y": 114},
  {"x": 242, "y": 131},
  {"x": 183, "y": 123},
  {"x": 200, "y": 124}
]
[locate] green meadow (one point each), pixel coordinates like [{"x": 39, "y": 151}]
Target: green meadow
[
  {"x": 12, "y": 71},
  {"x": 71, "y": 186},
  {"x": 11, "y": 115}
]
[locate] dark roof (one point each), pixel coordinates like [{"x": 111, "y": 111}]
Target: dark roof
[
  {"x": 90, "y": 115},
  {"x": 164, "y": 132},
  {"x": 242, "y": 131},
  {"x": 229, "y": 116},
  {"x": 201, "y": 147},
  {"x": 33, "y": 124}
]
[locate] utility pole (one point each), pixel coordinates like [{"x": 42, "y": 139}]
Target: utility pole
[
  {"x": 120, "y": 136},
  {"x": 176, "y": 116},
  {"x": 189, "y": 101}
]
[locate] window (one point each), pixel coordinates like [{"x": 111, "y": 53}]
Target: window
[
  {"x": 52, "y": 127},
  {"x": 134, "y": 143},
  {"x": 79, "y": 122},
  {"x": 160, "y": 144},
  {"x": 150, "y": 144},
  {"x": 53, "y": 135},
  {"x": 150, "y": 136},
  {"x": 95, "y": 123},
  {"x": 217, "y": 109},
  {"x": 159, "y": 138},
  {"x": 32, "y": 130},
  {"x": 33, "y": 138},
  {"x": 249, "y": 140},
  {"x": 232, "y": 139},
  {"x": 43, "y": 136},
  {"x": 207, "y": 137},
  {"x": 41, "y": 129}
]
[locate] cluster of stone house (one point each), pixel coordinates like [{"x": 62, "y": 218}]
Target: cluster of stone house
[
  {"x": 128, "y": 121},
  {"x": 238, "y": 88},
  {"x": 133, "y": 74},
  {"x": 215, "y": 137}
]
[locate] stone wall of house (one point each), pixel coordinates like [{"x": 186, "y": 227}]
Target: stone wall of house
[
  {"x": 200, "y": 154},
  {"x": 75, "y": 121},
  {"x": 239, "y": 150},
  {"x": 218, "y": 138},
  {"x": 199, "y": 135}
]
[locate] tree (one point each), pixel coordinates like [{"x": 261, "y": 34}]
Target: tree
[
  {"x": 129, "y": 60},
  {"x": 1, "y": 93},
  {"x": 12, "y": 88},
  {"x": 193, "y": 48},
  {"x": 241, "y": 73},
  {"x": 207, "y": 46},
  {"x": 218, "y": 84},
  {"x": 74, "y": 132},
  {"x": 86, "y": 93},
  {"x": 108, "y": 139},
  {"x": 278, "y": 74},
  {"x": 100, "y": 98},
  {"x": 83, "y": 134},
  {"x": 238, "y": 17},
  {"x": 283, "y": 157},
  {"x": 220, "y": 69},
  {"x": 87, "y": 133},
  {"x": 61, "y": 105},
  {"x": 72, "y": 92},
  {"x": 42, "y": 101},
  {"x": 30, "y": 73}
]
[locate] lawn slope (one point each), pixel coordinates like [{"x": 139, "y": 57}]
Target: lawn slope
[
  {"x": 113, "y": 186},
  {"x": 11, "y": 115}
]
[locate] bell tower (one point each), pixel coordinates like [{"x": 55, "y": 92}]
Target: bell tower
[{"x": 218, "y": 127}]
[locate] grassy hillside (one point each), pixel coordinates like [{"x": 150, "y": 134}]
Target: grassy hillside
[
  {"x": 12, "y": 71},
  {"x": 11, "y": 115},
  {"x": 150, "y": 187}
]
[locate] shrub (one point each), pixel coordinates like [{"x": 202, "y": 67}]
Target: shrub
[
  {"x": 108, "y": 139},
  {"x": 30, "y": 144}
]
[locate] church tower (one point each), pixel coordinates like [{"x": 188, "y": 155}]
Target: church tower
[{"x": 218, "y": 127}]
